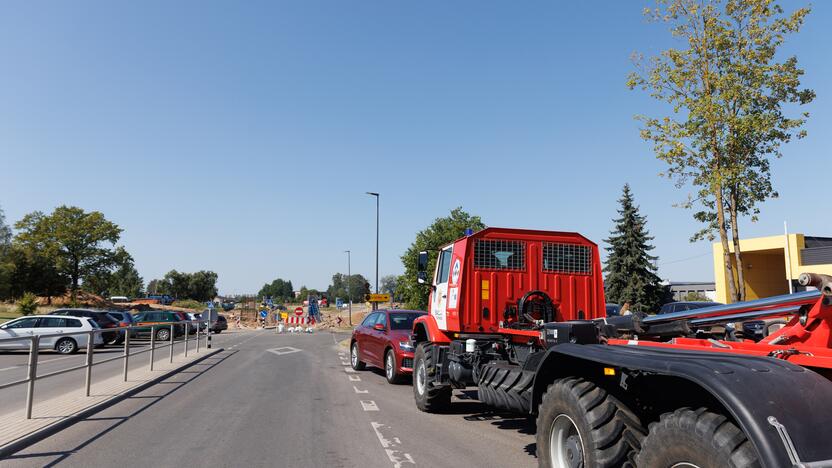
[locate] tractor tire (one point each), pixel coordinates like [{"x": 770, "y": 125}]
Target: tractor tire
[
  {"x": 696, "y": 437},
  {"x": 506, "y": 387},
  {"x": 430, "y": 396},
  {"x": 580, "y": 424}
]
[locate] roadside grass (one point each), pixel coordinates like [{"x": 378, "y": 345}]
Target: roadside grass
[{"x": 8, "y": 311}]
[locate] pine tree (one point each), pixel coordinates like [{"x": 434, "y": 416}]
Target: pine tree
[{"x": 631, "y": 273}]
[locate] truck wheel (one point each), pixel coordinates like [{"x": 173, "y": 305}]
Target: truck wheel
[
  {"x": 699, "y": 438},
  {"x": 355, "y": 361},
  {"x": 430, "y": 397},
  {"x": 580, "y": 425}
]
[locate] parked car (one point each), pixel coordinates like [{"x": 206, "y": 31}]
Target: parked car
[
  {"x": 613, "y": 310},
  {"x": 145, "y": 320},
  {"x": 163, "y": 299},
  {"x": 220, "y": 324},
  {"x": 680, "y": 306},
  {"x": 102, "y": 318},
  {"x": 197, "y": 318},
  {"x": 48, "y": 324},
  {"x": 183, "y": 316},
  {"x": 119, "y": 299},
  {"x": 383, "y": 340}
]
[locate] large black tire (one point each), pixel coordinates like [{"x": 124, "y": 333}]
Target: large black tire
[
  {"x": 603, "y": 431},
  {"x": 506, "y": 387},
  {"x": 66, "y": 346},
  {"x": 391, "y": 371},
  {"x": 355, "y": 358},
  {"x": 698, "y": 437},
  {"x": 430, "y": 396}
]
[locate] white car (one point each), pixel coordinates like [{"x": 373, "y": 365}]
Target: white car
[{"x": 49, "y": 324}]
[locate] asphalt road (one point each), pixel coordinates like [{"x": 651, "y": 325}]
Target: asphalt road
[{"x": 285, "y": 401}]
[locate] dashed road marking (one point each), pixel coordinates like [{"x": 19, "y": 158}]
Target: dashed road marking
[
  {"x": 397, "y": 457},
  {"x": 369, "y": 405},
  {"x": 359, "y": 391},
  {"x": 349, "y": 370},
  {"x": 354, "y": 378}
]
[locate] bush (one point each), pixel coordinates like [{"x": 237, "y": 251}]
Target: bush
[
  {"x": 27, "y": 305},
  {"x": 190, "y": 304}
]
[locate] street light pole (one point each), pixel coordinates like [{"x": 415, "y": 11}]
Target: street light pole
[
  {"x": 349, "y": 278},
  {"x": 377, "y": 198}
]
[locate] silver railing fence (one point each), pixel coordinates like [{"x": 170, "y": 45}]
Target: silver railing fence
[{"x": 171, "y": 327}]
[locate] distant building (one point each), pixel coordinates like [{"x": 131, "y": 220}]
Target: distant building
[
  {"x": 770, "y": 263},
  {"x": 680, "y": 289}
]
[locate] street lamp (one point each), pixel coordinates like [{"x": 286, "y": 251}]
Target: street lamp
[
  {"x": 349, "y": 278},
  {"x": 377, "y": 198}
]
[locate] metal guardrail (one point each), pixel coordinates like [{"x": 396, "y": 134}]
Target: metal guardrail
[{"x": 34, "y": 352}]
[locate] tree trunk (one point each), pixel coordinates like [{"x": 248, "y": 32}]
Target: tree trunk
[
  {"x": 726, "y": 252},
  {"x": 735, "y": 237},
  {"x": 75, "y": 275}
]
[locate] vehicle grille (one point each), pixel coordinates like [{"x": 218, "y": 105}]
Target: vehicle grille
[
  {"x": 407, "y": 362},
  {"x": 567, "y": 258},
  {"x": 500, "y": 254}
]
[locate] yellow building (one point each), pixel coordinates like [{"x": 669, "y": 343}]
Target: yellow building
[{"x": 769, "y": 263}]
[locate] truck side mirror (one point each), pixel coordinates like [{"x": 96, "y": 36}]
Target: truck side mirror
[
  {"x": 422, "y": 264},
  {"x": 422, "y": 277}
]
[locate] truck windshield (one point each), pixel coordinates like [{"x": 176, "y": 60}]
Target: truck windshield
[{"x": 402, "y": 321}]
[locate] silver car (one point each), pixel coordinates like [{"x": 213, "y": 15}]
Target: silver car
[{"x": 25, "y": 327}]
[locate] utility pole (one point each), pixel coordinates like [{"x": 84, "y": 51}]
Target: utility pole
[
  {"x": 375, "y": 194},
  {"x": 349, "y": 278}
]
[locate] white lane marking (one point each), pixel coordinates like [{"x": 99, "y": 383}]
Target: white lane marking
[
  {"x": 354, "y": 378},
  {"x": 359, "y": 391},
  {"x": 12, "y": 368},
  {"x": 369, "y": 405},
  {"x": 349, "y": 370},
  {"x": 284, "y": 350},
  {"x": 397, "y": 457}
]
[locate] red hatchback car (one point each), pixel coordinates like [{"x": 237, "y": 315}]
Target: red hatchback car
[{"x": 383, "y": 340}]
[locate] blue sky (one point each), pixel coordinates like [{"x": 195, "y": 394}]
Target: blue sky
[{"x": 241, "y": 136}]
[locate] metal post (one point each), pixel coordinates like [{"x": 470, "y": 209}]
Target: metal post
[
  {"x": 197, "y": 336},
  {"x": 208, "y": 335},
  {"x": 33, "y": 373},
  {"x": 788, "y": 258},
  {"x": 126, "y": 354},
  {"x": 171, "y": 342},
  {"x": 187, "y": 332},
  {"x": 349, "y": 280},
  {"x": 152, "y": 344},
  {"x": 88, "y": 381},
  {"x": 377, "y": 199}
]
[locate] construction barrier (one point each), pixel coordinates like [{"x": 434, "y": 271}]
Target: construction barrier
[{"x": 299, "y": 321}]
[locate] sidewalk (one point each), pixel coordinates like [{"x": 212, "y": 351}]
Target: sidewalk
[{"x": 50, "y": 416}]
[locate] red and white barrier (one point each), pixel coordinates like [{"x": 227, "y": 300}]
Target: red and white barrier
[{"x": 292, "y": 320}]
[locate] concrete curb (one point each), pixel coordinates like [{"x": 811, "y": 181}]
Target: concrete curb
[{"x": 44, "y": 432}]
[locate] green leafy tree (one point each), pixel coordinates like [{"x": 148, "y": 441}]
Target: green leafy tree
[
  {"x": 344, "y": 286},
  {"x": 30, "y": 271},
  {"x": 631, "y": 274},
  {"x": 390, "y": 285},
  {"x": 727, "y": 90},
  {"x": 202, "y": 285},
  {"x": 80, "y": 243},
  {"x": 120, "y": 279},
  {"x": 441, "y": 232},
  {"x": 280, "y": 290},
  {"x": 6, "y": 265},
  {"x": 27, "y": 305}
]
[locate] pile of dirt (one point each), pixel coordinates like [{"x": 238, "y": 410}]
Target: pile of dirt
[{"x": 82, "y": 299}]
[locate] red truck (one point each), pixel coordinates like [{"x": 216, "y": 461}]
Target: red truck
[{"x": 520, "y": 315}]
